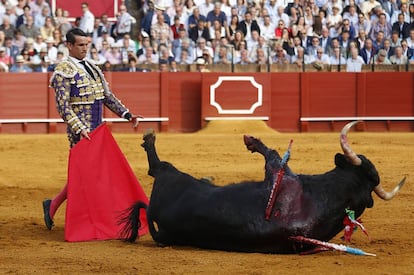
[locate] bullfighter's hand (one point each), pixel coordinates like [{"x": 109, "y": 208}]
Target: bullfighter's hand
[
  {"x": 85, "y": 134},
  {"x": 135, "y": 120}
]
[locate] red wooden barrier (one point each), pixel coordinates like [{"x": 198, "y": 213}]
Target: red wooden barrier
[{"x": 186, "y": 101}]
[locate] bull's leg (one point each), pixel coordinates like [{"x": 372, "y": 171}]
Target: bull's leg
[
  {"x": 271, "y": 156},
  {"x": 149, "y": 146}
]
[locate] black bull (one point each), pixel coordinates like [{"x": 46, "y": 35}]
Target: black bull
[{"x": 184, "y": 210}]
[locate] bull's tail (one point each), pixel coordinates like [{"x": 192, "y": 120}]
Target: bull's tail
[{"x": 131, "y": 222}]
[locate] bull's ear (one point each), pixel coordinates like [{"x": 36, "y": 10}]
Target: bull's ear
[{"x": 341, "y": 161}]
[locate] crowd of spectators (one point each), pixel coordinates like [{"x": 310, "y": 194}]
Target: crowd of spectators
[{"x": 171, "y": 32}]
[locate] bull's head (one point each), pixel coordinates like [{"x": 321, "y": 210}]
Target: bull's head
[{"x": 354, "y": 159}]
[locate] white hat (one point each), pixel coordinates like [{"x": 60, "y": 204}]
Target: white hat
[
  {"x": 19, "y": 59},
  {"x": 158, "y": 7},
  {"x": 144, "y": 34},
  {"x": 50, "y": 40},
  {"x": 200, "y": 61}
]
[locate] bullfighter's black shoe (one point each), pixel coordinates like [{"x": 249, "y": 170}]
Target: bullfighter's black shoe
[{"x": 46, "y": 208}]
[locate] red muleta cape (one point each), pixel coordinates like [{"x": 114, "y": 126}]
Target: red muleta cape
[{"x": 101, "y": 185}]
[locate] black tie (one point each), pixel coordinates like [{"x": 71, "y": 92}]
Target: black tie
[{"x": 83, "y": 62}]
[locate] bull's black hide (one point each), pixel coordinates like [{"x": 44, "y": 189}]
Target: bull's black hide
[{"x": 184, "y": 210}]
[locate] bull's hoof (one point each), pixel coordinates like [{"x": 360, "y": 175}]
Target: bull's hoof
[
  {"x": 148, "y": 137},
  {"x": 250, "y": 143}
]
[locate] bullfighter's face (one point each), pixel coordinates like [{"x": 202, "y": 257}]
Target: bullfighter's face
[{"x": 79, "y": 48}]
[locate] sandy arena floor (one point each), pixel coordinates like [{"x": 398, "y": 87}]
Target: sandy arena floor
[{"x": 33, "y": 167}]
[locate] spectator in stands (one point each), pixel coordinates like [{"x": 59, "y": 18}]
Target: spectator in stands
[
  {"x": 113, "y": 55},
  {"x": 363, "y": 24},
  {"x": 64, "y": 25},
  {"x": 360, "y": 40},
  {"x": 11, "y": 14},
  {"x": 387, "y": 47},
  {"x": 149, "y": 57},
  {"x": 87, "y": 19},
  {"x": 124, "y": 22},
  {"x": 313, "y": 47},
  {"x": 22, "y": 19},
  {"x": 406, "y": 50},
  {"x": 105, "y": 38},
  {"x": 177, "y": 43},
  {"x": 344, "y": 39},
  {"x": 368, "y": 51},
  {"x": 294, "y": 5},
  {"x": 381, "y": 58},
  {"x": 206, "y": 7},
  {"x": 160, "y": 31},
  {"x": 216, "y": 15},
  {"x": 248, "y": 25},
  {"x": 402, "y": 27},
  {"x": 368, "y": 5},
  {"x": 185, "y": 53},
  {"x": 217, "y": 30},
  {"x": 267, "y": 29},
  {"x": 404, "y": 10},
  {"x": 40, "y": 18},
  {"x": 19, "y": 39},
  {"x": 48, "y": 28},
  {"x": 201, "y": 65},
  {"x": 96, "y": 57},
  {"x": 184, "y": 57},
  {"x": 164, "y": 53},
  {"x": 354, "y": 62},
  {"x": 300, "y": 27},
  {"x": 381, "y": 25},
  {"x": 176, "y": 27},
  {"x": 51, "y": 49},
  {"x": 379, "y": 40},
  {"x": 163, "y": 65},
  {"x": 222, "y": 56},
  {"x": 351, "y": 14},
  {"x": 253, "y": 41},
  {"x": 58, "y": 38},
  {"x": 410, "y": 39},
  {"x": 299, "y": 58},
  {"x": 39, "y": 43},
  {"x": 321, "y": 60},
  {"x": 6, "y": 27},
  {"x": 199, "y": 31},
  {"x": 152, "y": 15},
  {"x": 29, "y": 29},
  {"x": 333, "y": 21},
  {"x": 398, "y": 57},
  {"x": 195, "y": 18},
  {"x": 173, "y": 68},
  {"x": 11, "y": 50},
  {"x": 20, "y": 66},
  {"x": 106, "y": 25},
  {"x": 37, "y": 6},
  {"x": 44, "y": 66},
  {"x": 4, "y": 57},
  {"x": 4, "y": 68},
  {"x": 189, "y": 7},
  {"x": 280, "y": 56},
  {"x": 337, "y": 58},
  {"x": 261, "y": 44}
]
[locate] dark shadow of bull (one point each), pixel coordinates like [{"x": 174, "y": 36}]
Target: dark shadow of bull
[{"x": 184, "y": 210}]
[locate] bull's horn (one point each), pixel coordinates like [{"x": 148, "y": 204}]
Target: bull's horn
[
  {"x": 388, "y": 195},
  {"x": 349, "y": 154}
]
